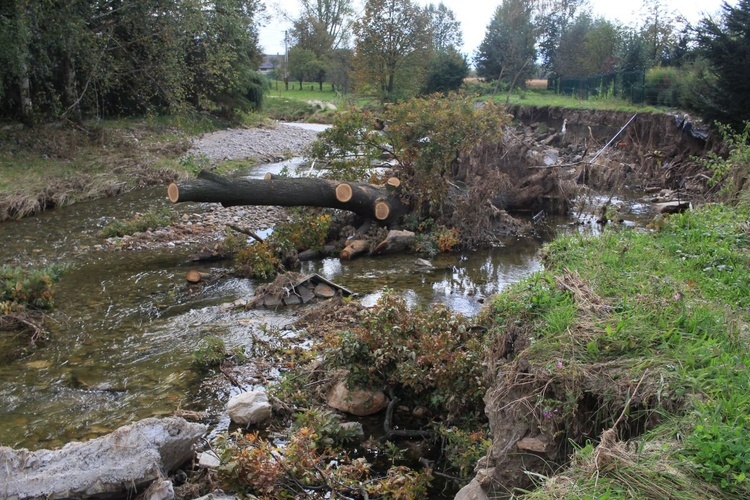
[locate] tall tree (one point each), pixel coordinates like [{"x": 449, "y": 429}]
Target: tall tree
[
  {"x": 507, "y": 51},
  {"x": 323, "y": 25},
  {"x": 589, "y": 47},
  {"x": 445, "y": 29},
  {"x": 448, "y": 67},
  {"x": 72, "y": 58},
  {"x": 660, "y": 30},
  {"x": 393, "y": 45},
  {"x": 726, "y": 45},
  {"x": 552, "y": 18}
]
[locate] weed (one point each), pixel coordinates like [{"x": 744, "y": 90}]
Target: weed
[
  {"x": 306, "y": 230},
  {"x": 149, "y": 221},
  {"x": 732, "y": 172},
  {"x": 210, "y": 353},
  {"x": 258, "y": 260},
  {"x": 430, "y": 356}
]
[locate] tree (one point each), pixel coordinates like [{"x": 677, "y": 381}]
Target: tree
[
  {"x": 660, "y": 32},
  {"x": 323, "y": 25},
  {"x": 507, "y": 51},
  {"x": 301, "y": 64},
  {"x": 393, "y": 45},
  {"x": 552, "y": 18},
  {"x": 445, "y": 29},
  {"x": 632, "y": 55},
  {"x": 340, "y": 69},
  {"x": 446, "y": 72},
  {"x": 726, "y": 45},
  {"x": 588, "y": 47},
  {"x": 448, "y": 67},
  {"x": 73, "y": 58}
]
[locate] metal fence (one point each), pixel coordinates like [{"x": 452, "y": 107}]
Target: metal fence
[{"x": 628, "y": 85}]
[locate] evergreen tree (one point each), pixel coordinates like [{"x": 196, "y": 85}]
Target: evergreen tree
[
  {"x": 507, "y": 51},
  {"x": 726, "y": 45}
]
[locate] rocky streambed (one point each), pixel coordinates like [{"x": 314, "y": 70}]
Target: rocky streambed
[{"x": 541, "y": 144}]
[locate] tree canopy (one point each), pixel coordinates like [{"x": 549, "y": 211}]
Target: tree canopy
[
  {"x": 393, "y": 45},
  {"x": 75, "y": 58},
  {"x": 726, "y": 44},
  {"x": 507, "y": 51}
]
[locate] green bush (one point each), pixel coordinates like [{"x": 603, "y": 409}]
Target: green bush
[
  {"x": 733, "y": 172},
  {"x": 305, "y": 231},
  {"x": 430, "y": 357},
  {"x": 210, "y": 353},
  {"x": 259, "y": 260},
  {"x": 662, "y": 86},
  {"x": 20, "y": 288}
]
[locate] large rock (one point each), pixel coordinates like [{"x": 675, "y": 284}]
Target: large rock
[
  {"x": 360, "y": 402},
  {"x": 249, "y": 408},
  {"x": 126, "y": 459},
  {"x": 472, "y": 491}
]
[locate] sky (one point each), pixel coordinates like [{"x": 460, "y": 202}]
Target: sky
[{"x": 475, "y": 15}]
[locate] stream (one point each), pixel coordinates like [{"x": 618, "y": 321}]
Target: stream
[{"x": 125, "y": 324}]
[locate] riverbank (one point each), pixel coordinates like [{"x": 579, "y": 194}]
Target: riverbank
[
  {"x": 621, "y": 370},
  {"x": 55, "y": 166}
]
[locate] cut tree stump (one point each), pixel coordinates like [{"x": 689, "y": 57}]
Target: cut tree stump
[
  {"x": 194, "y": 276},
  {"x": 374, "y": 202}
]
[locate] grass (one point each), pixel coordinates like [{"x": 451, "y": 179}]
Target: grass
[
  {"x": 535, "y": 96},
  {"x": 153, "y": 219},
  {"x": 652, "y": 325},
  {"x": 54, "y": 165}
]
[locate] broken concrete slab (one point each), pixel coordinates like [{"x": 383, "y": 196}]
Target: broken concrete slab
[
  {"x": 295, "y": 289},
  {"x": 125, "y": 460}
]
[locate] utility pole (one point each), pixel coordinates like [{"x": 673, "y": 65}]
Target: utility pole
[{"x": 286, "y": 60}]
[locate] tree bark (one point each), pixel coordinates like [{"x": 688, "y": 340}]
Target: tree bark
[{"x": 366, "y": 200}]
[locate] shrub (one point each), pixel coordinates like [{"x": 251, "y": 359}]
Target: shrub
[
  {"x": 258, "y": 260},
  {"x": 305, "y": 231},
  {"x": 732, "y": 172},
  {"x": 211, "y": 352},
  {"x": 429, "y": 356},
  {"x": 662, "y": 87},
  {"x": 426, "y": 137},
  {"x": 28, "y": 287}
]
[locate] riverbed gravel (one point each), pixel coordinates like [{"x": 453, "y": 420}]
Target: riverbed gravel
[
  {"x": 206, "y": 225},
  {"x": 265, "y": 144}
]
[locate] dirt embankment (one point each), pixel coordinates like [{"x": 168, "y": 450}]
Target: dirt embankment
[{"x": 654, "y": 150}]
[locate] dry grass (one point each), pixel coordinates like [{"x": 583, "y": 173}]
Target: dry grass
[{"x": 537, "y": 84}]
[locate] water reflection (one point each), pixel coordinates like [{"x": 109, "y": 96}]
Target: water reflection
[{"x": 458, "y": 281}]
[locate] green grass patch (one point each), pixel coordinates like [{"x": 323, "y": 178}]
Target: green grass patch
[
  {"x": 535, "y": 97},
  {"x": 652, "y": 324}
]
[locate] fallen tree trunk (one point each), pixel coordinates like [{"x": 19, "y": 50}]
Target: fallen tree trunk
[{"x": 366, "y": 200}]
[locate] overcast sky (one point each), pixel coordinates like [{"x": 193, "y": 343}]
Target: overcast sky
[{"x": 475, "y": 15}]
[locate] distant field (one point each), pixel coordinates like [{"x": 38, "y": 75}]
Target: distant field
[{"x": 539, "y": 83}]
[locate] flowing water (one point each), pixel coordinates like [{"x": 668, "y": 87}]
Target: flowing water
[{"x": 125, "y": 324}]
